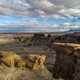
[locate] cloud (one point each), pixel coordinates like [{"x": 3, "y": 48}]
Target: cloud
[
  {"x": 40, "y": 7},
  {"x": 56, "y": 14},
  {"x": 34, "y": 26}
]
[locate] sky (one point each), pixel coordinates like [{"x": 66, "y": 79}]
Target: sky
[{"x": 39, "y": 15}]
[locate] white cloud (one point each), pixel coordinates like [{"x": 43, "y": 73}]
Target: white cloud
[
  {"x": 40, "y": 7},
  {"x": 70, "y": 12}
]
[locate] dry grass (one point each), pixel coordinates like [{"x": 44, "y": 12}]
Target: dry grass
[
  {"x": 12, "y": 59},
  {"x": 13, "y": 73}
]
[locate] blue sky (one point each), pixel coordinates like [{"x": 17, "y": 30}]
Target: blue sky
[
  {"x": 4, "y": 20},
  {"x": 37, "y": 24}
]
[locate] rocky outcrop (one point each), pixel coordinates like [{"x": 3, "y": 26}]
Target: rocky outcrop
[
  {"x": 65, "y": 63},
  {"x": 76, "y": 75}
]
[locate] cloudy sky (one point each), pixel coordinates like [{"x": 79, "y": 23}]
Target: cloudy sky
[{"x": 39, "y": 15}]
